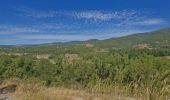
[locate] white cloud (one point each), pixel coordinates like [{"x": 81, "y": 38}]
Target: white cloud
[
  {"x": 72, "y": 37},
  {"x": 119, "y": 18},
  {"x": 9, "y": 29},
  {"x": 139, "y": 21},
  {"x": 37, "y": 28},
  {"x": 96, "y": 15},
  {"x": 41, "y": 37},
  {"x": 93, "y": 15},
  {"x": 153, "y": 21},
  {"x": 54, "y": 37},
  {"x": 23, "y": 30},
  {"x": 104, "y": 15}
]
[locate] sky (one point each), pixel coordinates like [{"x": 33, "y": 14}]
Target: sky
[{"x": 48, "y": 21}]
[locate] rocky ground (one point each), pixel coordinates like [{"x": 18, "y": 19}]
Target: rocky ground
[{"x": 7, "y": 91}]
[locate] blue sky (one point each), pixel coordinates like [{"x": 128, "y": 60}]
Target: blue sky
[{"x": 46, "y": 21}]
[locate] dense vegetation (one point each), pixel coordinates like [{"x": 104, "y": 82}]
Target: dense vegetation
[{"x": 138, "y": 69}]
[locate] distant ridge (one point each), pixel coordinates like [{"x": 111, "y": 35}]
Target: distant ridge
[{"x": 155, "y": 38}]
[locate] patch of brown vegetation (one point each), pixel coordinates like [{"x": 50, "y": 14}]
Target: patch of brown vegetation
[
  {"x": 71, "y": 57},
  {"x": 157, "y": 42},
  {"x": 141, "y": 46},
  {"x": 37, "y": 92},
  {"x": 43, "y": 56},
  {"x": 89, "y": 45},
  {"x": 167, "y": 82},
  {"x": 167, "y": 57}
]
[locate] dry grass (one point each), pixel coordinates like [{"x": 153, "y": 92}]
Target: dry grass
[
  {"x": 27, "y": 91},
  {"x": 89, "y": 45},
  {"x": 43, "y": 56},
  {"x": 142, "y": 46},
  {"x": 167, "y": 57},
  {"x": 39, "y": 92}
]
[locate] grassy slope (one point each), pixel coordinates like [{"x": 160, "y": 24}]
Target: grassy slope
[{"x": 152, "y": 38}]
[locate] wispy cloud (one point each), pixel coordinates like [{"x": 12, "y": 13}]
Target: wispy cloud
[
  {"x": 81, "y": 36},
  {"x": 132, "y": 17},
  {"x": 54, "y": 37},
  {"x": 152, "y": 21},
  {"x": 104, "y": 15},
  {"x": 77, "y": 25},
  {"x": 9, "y": 29},
  {"x": 86, "y": 14},
  {"x": 34, "y": 28}
]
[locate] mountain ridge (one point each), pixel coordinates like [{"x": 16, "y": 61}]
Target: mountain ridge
[{"x": 125, "y": 41}]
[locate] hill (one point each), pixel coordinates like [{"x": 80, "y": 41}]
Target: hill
[{"x": 153, "y": 39}]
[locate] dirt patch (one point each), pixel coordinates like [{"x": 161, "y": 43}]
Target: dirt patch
[{"x": 6, "y": 91}]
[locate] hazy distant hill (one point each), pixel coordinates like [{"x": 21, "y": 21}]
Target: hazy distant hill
[
  {"x": 159, "y": 38},
  {"x": 153, "y": 39}
]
